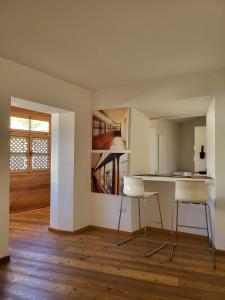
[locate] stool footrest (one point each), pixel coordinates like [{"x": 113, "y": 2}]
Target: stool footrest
[
  {"x": 195, "y": 227},
  {"x": 156, "y": 250},
  {"x": 127, "y": 240}
]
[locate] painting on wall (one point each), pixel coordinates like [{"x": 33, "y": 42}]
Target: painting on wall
[
  {"x": 107, "y": 171},
  {"x": 110, "y": 129}
]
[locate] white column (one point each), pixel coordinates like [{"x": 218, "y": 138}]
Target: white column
[{"x": 62, "y": 212}]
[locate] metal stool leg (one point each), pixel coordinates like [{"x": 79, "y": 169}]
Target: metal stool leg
[
  {"x": 118, "y": 230},
  {"x": 119, "y": 243},
  {"x": 212, "y": 239},
  {"x": 160, "y": 213},
  {"x": 145, "y": 226},
  {"x": 208, "y": 228},
  {"x": 177, "y": 222},
  {"x": 207, "y": 225},
  {"x": 139, "y": 215},
  {"x": 163, "y": 244},
  {"x": 172, "y": 244}
]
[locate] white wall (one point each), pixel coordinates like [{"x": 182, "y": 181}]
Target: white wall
[
  {"x": 140, "y": 143},
  {"x": 26, "y": 83},
  {"x": 105, "y": 208},
  {"x": 186, "y": 139},
  {"x": 210, "y": 161},
  {"x": 169, "y": 130},
  {"x": 210, "y": 139},
  {"x": 105, "y": 212},
  {"x": 220, "y": 169}
]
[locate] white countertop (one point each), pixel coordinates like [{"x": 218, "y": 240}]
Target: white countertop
[{"x": 169, "y": 178}]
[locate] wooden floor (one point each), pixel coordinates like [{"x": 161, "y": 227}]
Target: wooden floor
[{"x": 45, "y": 265}]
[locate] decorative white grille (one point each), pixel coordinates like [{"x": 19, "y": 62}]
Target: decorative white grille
[
  {"x": 95, "y": 123},
  {"x": 18, "y": 144},
  {"x": 96, "y": 131},
  {"x": 40, "y": 162},
  {"x": 102, "y": 131},
  {"x": 96, "y": 128},
  {"x": 18, "y": 162},
  {"x": 40, "y": 145}
]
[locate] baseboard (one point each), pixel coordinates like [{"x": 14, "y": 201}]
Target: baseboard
[
  {"x": 5, "y": 259},
  {"x": 78, "y": 231},
  {"x": 111, "y": 230},
  {"x": 152, "y": 229},
  {"x": 220, "y": 252},
  {"x": 88, "y": 228},
  {"x": 179, "y": 233},
  {"x": 127, "y": 234},
  {"x": 82, "y": 230}
]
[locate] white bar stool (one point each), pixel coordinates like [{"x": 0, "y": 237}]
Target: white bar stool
[
  {"x": 194, "y": 193},
  {"x": 134, "y": 188}
]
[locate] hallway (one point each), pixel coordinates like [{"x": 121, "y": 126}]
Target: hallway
[
  {"x": 109, "y": 142},
  {"x": 48, "y": 266}
]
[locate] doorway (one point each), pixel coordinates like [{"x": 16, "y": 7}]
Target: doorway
[
  {"x": 30, "y": 159},
  {"x": 48, "y": 154}
]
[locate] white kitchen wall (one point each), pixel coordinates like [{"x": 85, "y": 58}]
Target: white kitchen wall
[
  {"x": 210, "y": 161},
  {"x": 186, "y": 137},
  {"x": 210, "y": 137},
  {"x": 220, "y": 169}
]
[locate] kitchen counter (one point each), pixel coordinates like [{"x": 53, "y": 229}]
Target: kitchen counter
[{"x": 173, "y": 178}]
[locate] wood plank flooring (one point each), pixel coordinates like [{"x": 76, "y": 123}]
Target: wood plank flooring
[{"x": 45, "y": 265}]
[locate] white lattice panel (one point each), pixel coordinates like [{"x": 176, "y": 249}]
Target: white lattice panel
[
  {"x": 40, "y": 145},
  {"x": 95, "y": 123},
  {"x": 18, "y": 144},
  {"x": 96, "y": 131},
  {"x": 40, "y": 162},
  {"x": 18, "y": 162},
  {"x": 102, "y": 131}
]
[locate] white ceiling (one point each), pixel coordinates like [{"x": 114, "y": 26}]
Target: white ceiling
[
  {"x": 108, "y": 43},
  {"x": 177, "y": 109},
  {"x": 182, "y": 120}
]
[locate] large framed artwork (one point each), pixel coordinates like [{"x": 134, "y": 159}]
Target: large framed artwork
[
  {"x": 110, "y": 129},
  {"x": 107, "y": 171}
]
